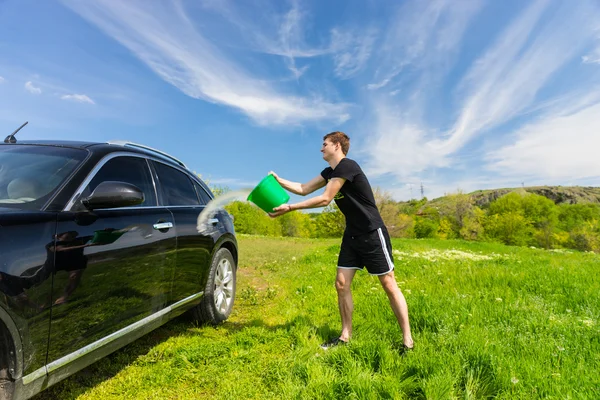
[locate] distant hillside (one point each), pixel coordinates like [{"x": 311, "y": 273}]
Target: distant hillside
[{"x": 558, "y": 194}]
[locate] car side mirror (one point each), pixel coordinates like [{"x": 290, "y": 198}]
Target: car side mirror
[{"x": 112, "y": 194}]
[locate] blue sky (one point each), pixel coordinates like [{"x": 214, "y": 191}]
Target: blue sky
[{"x": 451, "y": 94}]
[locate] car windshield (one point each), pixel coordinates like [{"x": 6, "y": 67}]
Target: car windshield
[{"x": 31, "y": 174}]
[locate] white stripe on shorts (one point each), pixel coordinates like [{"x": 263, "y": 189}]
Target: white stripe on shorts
[
  {"x": 385, "y": 251},
  {"x": 339, "y": 266}
]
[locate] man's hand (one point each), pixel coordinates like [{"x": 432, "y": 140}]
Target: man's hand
[
  {"x": 274, "y": 175},
  {"x": 282, "y": 209}
]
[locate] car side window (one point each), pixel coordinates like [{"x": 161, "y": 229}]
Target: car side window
[
  {"x": 176, "y": 186},
  {"x": 133, "y": 170},
  {"x": 204, "y": 197}
]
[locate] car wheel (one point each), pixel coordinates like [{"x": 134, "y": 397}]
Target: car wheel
[
  {"x": 6, "y": 385},
  {"x": 219, "y": 293}
]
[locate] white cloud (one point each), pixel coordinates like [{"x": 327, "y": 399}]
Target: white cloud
[
  {"x": 501, "y": 85},
  {"x": 555, "y": 147},
  {"x": 593, "y": 57},
  {"x": 79, "y": 98},
  {"x": 31, "y": 88},
  {"x": 422, "y": 35},
  {"x": 353, "y": 51},
  {"x": 507, "y": 78},
  {"x": 1, "y": 79},
  {"x": 163, "y": 37}
]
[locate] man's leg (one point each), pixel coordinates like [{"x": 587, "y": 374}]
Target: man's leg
[
  {"x": 343, "y": 282},
  {"x": 398, "y": 303}
]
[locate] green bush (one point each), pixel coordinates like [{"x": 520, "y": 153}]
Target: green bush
[{"x": 425, "y": 228}]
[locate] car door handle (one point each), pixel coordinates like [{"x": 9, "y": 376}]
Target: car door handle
[
  {"x": 163, "y": 225},
  {"x": 213, "y": 221}
]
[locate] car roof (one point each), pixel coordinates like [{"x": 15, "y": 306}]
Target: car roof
[
  {"x": 59, "y": 143},
  {"x": 105, "y": 148}
]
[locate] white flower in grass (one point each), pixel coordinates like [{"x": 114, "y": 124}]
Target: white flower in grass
[
  {"x": 498, "y": 299},
  {"x": 514, "y": 380},
  {"x": 568, "y": 310},
  {"x": 560, "y": 348},
  {"x": 293, "y": 258},
  {"x": 588, "y": 322}
]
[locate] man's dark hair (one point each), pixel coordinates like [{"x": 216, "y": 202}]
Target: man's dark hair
[{"x": 340, "y": 138}]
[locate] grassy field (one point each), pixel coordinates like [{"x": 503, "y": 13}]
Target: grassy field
[{"x": 489, "y": 321}]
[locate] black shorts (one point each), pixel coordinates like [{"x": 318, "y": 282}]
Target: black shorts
[{"x": 372, "y": 250}]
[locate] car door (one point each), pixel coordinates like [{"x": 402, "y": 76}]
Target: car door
[
  {"x": 194, "y": 249},
  {"x": 113, "y": 267}
]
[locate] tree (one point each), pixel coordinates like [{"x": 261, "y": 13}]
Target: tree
[
  {"x": 296, "y": 224},
  {"x": 252, "y": 220},
  {"x": 405, "y": 227},
  {"x": 425, "y": 228},
  {"x": 472, "y": 228},
  {"x": 330, "y": 222},
  {"x": 510, "y": 228},
  {"x": 456, "y": 208}
]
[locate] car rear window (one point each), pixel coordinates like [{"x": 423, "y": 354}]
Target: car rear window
[
  {"x": 31, "y": 174},
  {"x": 176, "y": 186}
]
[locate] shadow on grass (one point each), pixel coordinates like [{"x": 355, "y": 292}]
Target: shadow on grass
[
  {"x": 182, "y": 326},
  {"x": 325, "y": 332},
  {"x": 111, "y": 365}
]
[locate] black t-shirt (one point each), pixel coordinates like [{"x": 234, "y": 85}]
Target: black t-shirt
[{"x": 355, "y": 199}]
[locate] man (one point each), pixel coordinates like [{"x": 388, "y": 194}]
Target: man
[{"x": 366, "y": 242}]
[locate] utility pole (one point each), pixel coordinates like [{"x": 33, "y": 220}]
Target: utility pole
[
  {"x": 422, "y": 191},
  {"x": 411, "y": 195}
]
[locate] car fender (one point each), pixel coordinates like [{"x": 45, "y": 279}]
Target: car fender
[
  {"x": 16, "y": 370},
  {"x": 226, "y": 240}
]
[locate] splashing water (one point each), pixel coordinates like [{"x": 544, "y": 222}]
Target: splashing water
[{"x": 216, "y": 205}]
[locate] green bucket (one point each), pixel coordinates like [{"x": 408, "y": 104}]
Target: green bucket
[
  {"x": 268, "y": 194},
  {"x": 106, "y": 236}
]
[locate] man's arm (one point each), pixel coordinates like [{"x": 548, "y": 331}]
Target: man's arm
[
  {"x": 332, "y": 188},
  {"x": 301, "y": 189}
]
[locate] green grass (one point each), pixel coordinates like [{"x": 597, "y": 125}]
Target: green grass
[{"x": 492, "y": 322}]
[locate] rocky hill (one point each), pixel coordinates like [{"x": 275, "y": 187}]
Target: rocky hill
[{"x": 558, "y": 194}]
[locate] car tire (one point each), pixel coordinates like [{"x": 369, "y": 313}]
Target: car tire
[
  {"x": 7, "y": 385},
  {"x": 219, "y": 293}
]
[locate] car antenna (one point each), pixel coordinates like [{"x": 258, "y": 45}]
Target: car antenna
[{"x": 11, "y": 138}]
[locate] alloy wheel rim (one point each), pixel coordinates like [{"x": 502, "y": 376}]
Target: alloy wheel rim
[{"x": 223, "y": 292}]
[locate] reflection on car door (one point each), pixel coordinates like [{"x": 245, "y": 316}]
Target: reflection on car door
[
  {"x": 113, "y": 267},
  {"x": 193, "y": 249}
]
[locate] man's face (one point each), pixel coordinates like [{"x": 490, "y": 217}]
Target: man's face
[{"x": 328, "y": 149}]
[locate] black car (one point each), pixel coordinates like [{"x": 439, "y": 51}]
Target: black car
[{"x": 99, "y": 245}]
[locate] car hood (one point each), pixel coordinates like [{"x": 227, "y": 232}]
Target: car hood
[{"x": 12, "y": 210}]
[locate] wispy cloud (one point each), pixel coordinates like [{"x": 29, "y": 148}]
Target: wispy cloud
[
  {"x": 593, "y": 57},
  {"x": 501, "y": 85},
  {"x": 31, "y": 88},
  {"x": 353, "y": 51},
  {"x": 290, "y": 39},
  {"x": 418, "y": 49},
  {"x": 422, "y": 35},
  {"x": 163, "y": 37},
  {"x": 78, "y": 98},
  {"x": 558, "y": 147},
  {"x": 508, "y": 77},
  {"x": 1, "y": 79}
]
